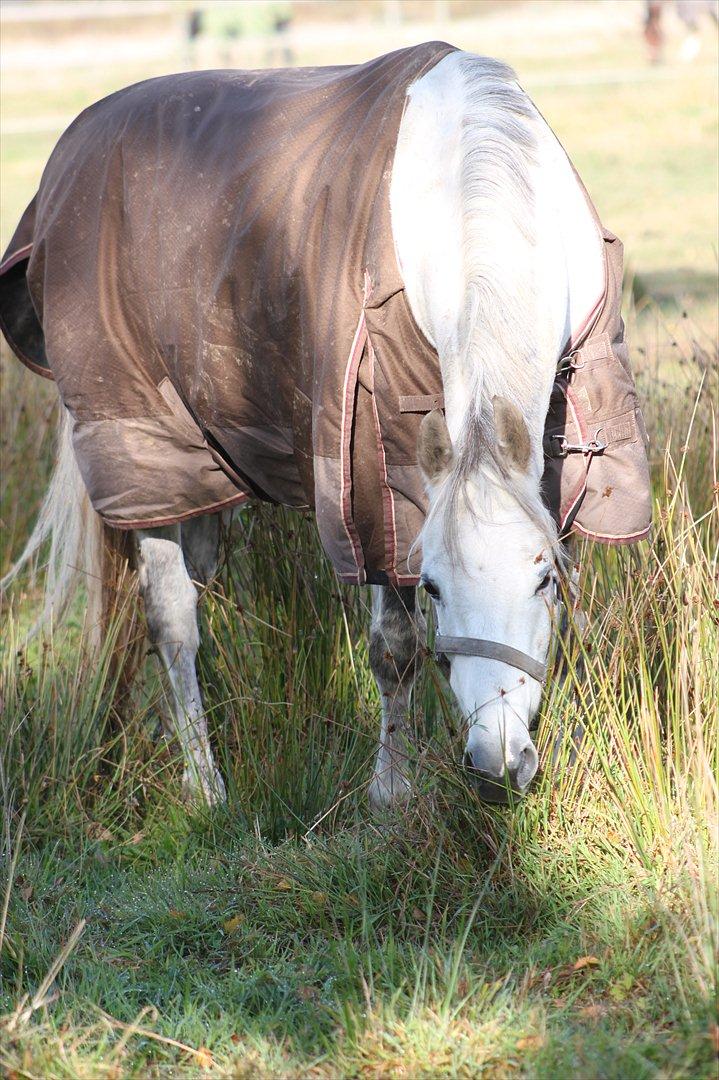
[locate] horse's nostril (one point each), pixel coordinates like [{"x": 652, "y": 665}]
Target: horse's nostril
[{"x": 524, "y": 768}]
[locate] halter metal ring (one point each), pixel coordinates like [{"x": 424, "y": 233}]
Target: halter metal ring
[{"x": 490, "y": 650}]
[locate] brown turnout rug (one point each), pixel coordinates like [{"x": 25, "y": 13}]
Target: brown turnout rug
[{"x": 208, "y": 273}]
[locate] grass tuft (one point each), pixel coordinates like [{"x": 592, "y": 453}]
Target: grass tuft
[{"x": 291, "y": 933}]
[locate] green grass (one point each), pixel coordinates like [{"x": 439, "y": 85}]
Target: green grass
[{"x": 292, "y": 933}]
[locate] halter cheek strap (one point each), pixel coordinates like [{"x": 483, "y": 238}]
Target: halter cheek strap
[{"x": 490, "y": 650}]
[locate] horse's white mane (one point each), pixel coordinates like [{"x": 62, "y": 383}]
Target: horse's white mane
[
  {"x": 498, "y": 145},
  {"x": 499, "y": 349}
]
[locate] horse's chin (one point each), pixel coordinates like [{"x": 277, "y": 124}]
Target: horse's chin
[
  {"x": 498, "y": 790},
  {"x": 494, "y": 791}
]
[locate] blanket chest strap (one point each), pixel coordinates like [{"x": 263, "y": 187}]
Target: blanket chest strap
[{"x": 420, "y": 403}]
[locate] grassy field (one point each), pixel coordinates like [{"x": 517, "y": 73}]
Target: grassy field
[{"x": 292, "y": 933}]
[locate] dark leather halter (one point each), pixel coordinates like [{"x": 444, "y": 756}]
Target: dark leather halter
[{"x": 490, "y": 650}]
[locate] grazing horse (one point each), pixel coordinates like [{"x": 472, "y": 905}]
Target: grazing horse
[{"x": 503, "y": 266}]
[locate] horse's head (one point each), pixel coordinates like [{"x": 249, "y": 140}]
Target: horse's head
[{"x": 488, "y": 563}]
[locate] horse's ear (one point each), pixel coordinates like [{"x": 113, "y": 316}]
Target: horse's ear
[
  {"x": 434, "y": 446},
  {"x": 512, "y": 434}
]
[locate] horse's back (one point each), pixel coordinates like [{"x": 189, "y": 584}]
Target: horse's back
[
  {"x": 201, "y": 252},
  {"x": 199, "y": 186}
]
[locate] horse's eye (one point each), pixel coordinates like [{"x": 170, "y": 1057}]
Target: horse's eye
[
  {"x": 430, "y": 588},
  {"x": 545, "y": 582}
]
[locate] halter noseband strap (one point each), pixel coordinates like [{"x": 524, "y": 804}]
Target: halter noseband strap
[{"x": 490, "y": 650}]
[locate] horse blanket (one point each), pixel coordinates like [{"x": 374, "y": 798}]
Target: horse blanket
[{"x": 208, "y": 273}]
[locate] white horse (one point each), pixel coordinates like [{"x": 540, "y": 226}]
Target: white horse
[{"x": 501, "y": 260}]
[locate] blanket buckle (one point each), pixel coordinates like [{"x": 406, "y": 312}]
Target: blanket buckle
[
  {"x": 559, "y": 446},
  {"x": 570, "y": 363}
]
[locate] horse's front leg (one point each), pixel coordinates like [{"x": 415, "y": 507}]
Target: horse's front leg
[
  {"x": 397, "y": 638},
  {"x": 171, "y": 610}
]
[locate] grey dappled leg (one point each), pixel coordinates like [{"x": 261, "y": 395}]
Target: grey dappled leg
[
  {"x": 171, "y": 610},
  {"x": 200, "y": 538},
  {"x": 396, "y": 642}
]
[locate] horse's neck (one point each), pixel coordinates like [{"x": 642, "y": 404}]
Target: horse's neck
[{"x": 544, "y": 279}]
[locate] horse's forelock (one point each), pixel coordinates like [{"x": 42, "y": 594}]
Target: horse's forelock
[{"x": 479, "y": 465}]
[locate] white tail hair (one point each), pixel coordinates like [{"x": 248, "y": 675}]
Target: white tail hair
[{"x": 75, "y": 534}]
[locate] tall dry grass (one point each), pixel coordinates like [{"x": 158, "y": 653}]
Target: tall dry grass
[{"x": 451, "y": 933}]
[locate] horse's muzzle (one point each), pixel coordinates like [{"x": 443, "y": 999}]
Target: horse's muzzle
[{"x": 514, "y": 782}]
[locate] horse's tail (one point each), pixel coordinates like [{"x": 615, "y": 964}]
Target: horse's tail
[{"x": 82, "y": 551}]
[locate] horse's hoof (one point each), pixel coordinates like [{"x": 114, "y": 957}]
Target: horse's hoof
[
  {"x": 207, "y": 789},
  {"x": 389, "y": 788}
]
